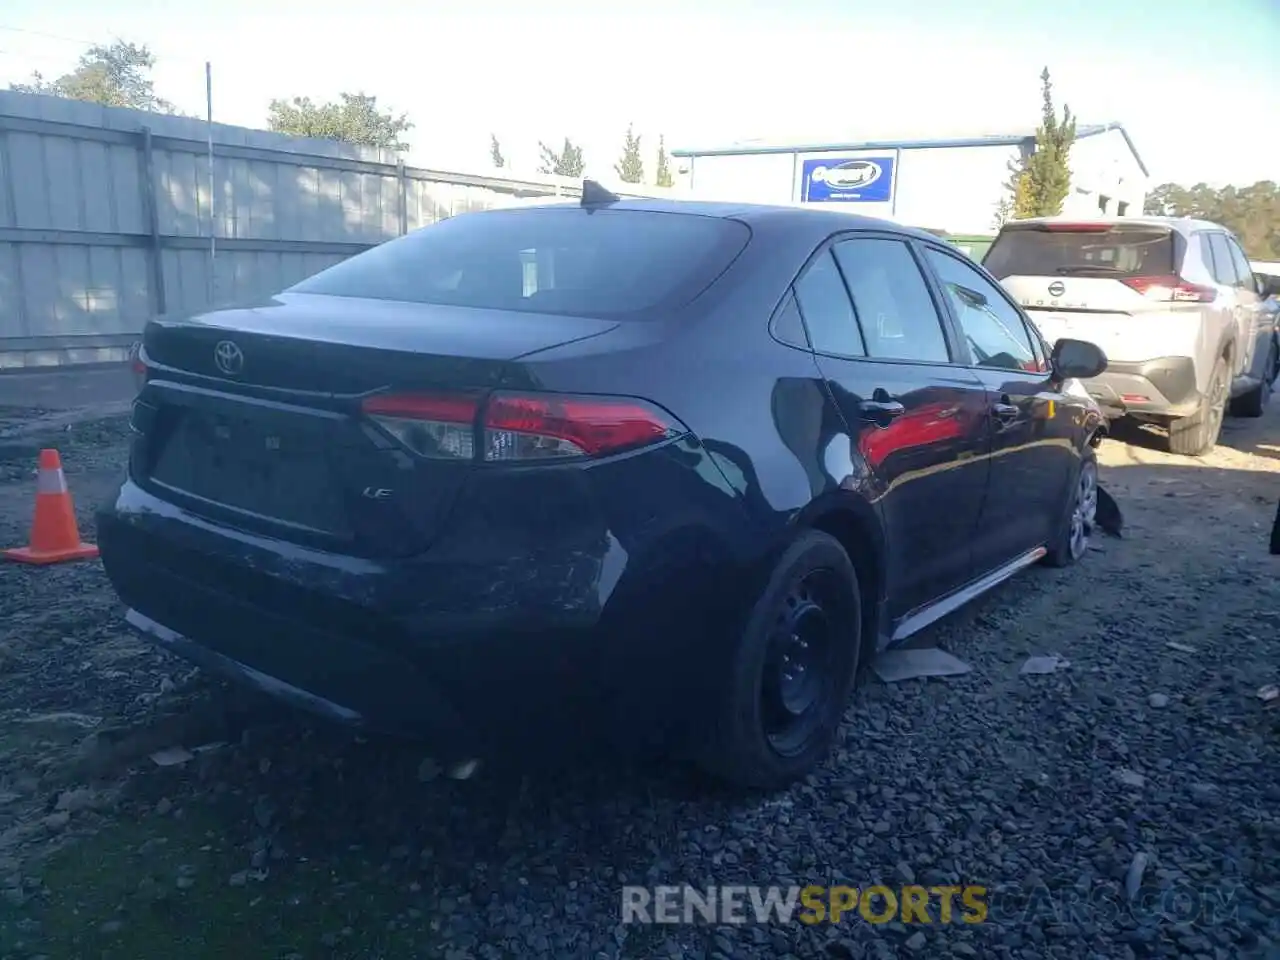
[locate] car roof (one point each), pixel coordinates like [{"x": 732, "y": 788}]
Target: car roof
[
  {"x": 1183, "y": 225},
  {"x": 821, "y": 223}
]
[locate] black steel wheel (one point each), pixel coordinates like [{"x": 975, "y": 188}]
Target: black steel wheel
[{"x": 792, "y": 669}]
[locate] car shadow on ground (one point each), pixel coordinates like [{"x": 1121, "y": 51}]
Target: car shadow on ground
[
  {"x": 1144, "y": 435},
  {"x": 1236, "y": 438},
  {"x": 1238, "y": 433}
]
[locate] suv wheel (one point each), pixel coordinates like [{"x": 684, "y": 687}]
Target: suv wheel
[
  {"x": 1197, "y": 435},
  {"x": 791, "y": 671},
  {"x": 1254, "y": 403},
  {"x": 1082, "y": 513}
]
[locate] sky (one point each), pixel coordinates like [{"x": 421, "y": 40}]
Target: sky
[{"x": 1200, "y": 96}]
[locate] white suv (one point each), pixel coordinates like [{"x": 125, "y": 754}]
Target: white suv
[{"x": 1172, "y": 302}]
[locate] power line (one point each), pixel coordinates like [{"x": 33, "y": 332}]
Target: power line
[
  {"x": 50, "y": 36},
  {"x": 159, "y": 53}
]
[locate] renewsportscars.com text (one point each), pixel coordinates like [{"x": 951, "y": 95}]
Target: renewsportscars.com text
[{"x": 811, "y": 904}]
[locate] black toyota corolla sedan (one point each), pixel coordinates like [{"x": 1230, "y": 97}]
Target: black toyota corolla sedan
[{"x": 646, "y": 472}]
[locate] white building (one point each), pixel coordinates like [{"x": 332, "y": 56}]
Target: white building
[{"x": 949, "y": 184}]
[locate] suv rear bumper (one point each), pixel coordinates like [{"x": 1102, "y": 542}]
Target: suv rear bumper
[{"x": 1165, "y": 386}]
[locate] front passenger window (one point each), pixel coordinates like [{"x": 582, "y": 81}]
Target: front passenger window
[{"x": 994, "y": 330}]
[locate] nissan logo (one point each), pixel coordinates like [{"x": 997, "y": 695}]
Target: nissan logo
[
  {"x": 1057, "y": 288},
  {"x": 229, "y": 358}
]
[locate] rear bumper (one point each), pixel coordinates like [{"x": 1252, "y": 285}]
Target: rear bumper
[
  {"x": 1165, "y": 386},
  {"x": 479, "y": 658}
]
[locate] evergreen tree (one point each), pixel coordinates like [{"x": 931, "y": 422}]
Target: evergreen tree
[
  {"x": 1041, "y": 180},
  {"x": 663, "y": 176},
  {"x": 630, "y": 167},
  {"x": 495, "y": 152},
  {"x": 567, "y": 162}
]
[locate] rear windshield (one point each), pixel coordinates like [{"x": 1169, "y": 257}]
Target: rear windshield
[
  {"x": 601, "y": 263},
  {"x": 1118, "y": 251}
]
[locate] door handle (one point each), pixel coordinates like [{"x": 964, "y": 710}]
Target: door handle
[
  {"x": 1004, "y": 411},
  {"x": 881, "y": 406}
]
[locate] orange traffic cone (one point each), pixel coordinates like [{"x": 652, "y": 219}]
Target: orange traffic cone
[{"x": 54, "y": 535}]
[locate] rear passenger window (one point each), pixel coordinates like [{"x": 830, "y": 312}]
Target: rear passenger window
[
  {"x": 1224, "y": 270},
  {"x": 828, "y": 314},
  {"x": 895, "y": 311},
  {"x": 1199, "y": 269},
  {"x": 787, "y": 325},
  {"x": 1244, "y": 272}
]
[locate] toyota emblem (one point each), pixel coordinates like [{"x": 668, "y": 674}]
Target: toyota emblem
[
  {"x": 1057, "y": 288},
  {"x": 229, "y": 358}
]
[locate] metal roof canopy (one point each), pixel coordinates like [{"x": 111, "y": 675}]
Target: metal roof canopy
[{"x": 992, "y": 140}]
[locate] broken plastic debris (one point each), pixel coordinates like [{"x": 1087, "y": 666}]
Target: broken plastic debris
[
  {"x": 1180, "y": 647},
  {"x": 1268, "y": 693},
  {"x": 1036, "y": 666},
  {"x": 893, "y": 666},
  {"x": 171, "y": 756},
  {"x": 1133, "y": 879},
  {"x": 464, "y": 770},
  {"x": 1131, "y": 778},
  {"x": 1109, "y": 518}
]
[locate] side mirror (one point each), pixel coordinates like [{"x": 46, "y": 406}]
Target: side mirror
[{"x": 1077, "y": 359}]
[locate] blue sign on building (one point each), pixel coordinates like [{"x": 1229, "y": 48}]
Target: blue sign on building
[{"x": 847, "y": 180}]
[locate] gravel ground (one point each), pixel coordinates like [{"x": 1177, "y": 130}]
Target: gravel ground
[{"x": 282, "y": 839}]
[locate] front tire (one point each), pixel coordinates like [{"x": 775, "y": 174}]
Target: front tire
[
  {"x": 792, "y": 670},
  {"x": 1197, "y": 435},
  {"x": 1072, "y": 542}
]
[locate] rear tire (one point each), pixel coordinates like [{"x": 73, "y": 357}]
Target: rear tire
[
  {"x": 1080, "y": 521},
  {"x": 1197, "y": 435},
  {"x": 1254, "y": 403},
  {"x": 792, "y": 670}
]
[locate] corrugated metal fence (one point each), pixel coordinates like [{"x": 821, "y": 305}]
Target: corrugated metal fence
[{"x": 105, "y": 218}]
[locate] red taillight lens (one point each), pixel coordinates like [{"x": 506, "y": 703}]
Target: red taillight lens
[
  {"x": 436, "y": 427},
  {"x": 1170, "y": 289},
  {"x": 137, "y": 366},
  {"x": 535, "y": 427},
  {"x": 518, "y": 427}
]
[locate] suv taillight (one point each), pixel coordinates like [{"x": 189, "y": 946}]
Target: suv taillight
[
  {"x": 1171, "y": 289},
  {"x": 138, "y": 366},
  {"x": 520, "y": 427}
]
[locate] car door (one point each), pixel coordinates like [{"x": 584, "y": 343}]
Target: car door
[
  {"x": 1232, "y": 302},
  {"x": 914, "y": 416},
  {"x": 1032, "y": 457},
  {"x": 1255, "y": 334}
]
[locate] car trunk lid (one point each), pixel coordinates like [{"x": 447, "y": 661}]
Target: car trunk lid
[
  {"x": 268, "y": 434},
  {"x": 317, "y": 344}
]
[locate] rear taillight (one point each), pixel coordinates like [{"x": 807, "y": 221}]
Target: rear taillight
[
  {"x": 137, "y": 366},
  {"x": 535, "y": 427},
  {"x": 1170, "y": 289},
  {"x": 520, "y": 427},
  {"x": 437, "y": 427}
]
